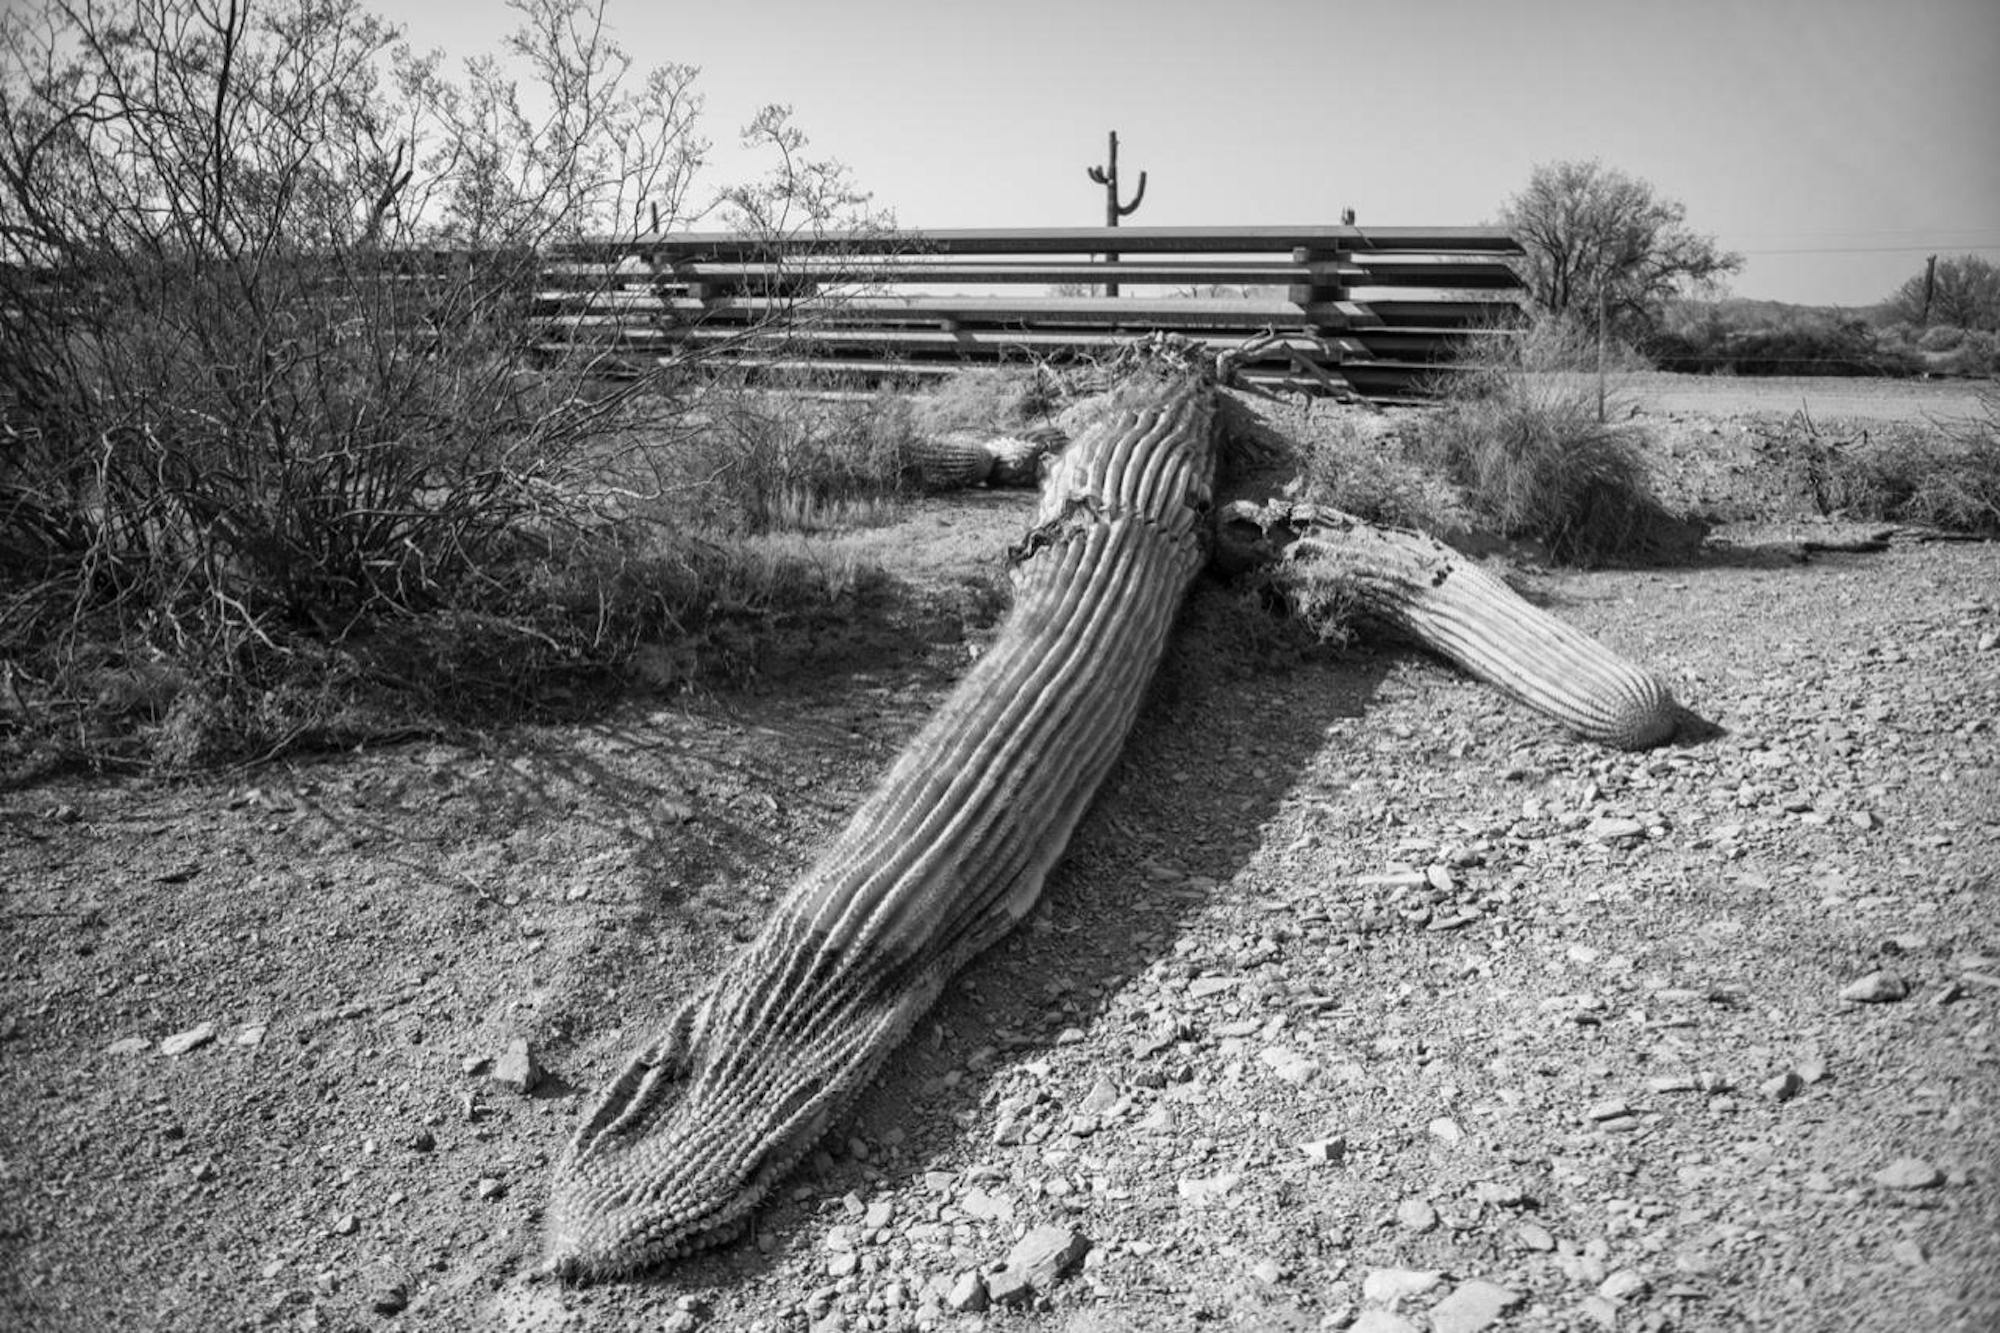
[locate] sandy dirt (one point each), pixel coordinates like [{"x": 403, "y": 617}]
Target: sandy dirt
[{"x": 1363, "y": 998}]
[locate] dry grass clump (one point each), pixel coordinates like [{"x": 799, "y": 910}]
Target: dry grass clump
[
  {"x": 1385, "y": 471},
  {"x": 775, "y": 460},
  {"x": 1000, "y": 400},
  {"x": 1520, "y": 432}
]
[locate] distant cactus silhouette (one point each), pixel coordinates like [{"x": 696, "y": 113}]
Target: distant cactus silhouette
[{"x": 1107, "y": 176}]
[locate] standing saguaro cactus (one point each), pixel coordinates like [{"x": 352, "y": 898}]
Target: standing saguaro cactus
[{"x": 1107, "y": 176}]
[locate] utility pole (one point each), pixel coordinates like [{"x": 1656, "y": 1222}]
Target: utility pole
[
  {"x": 1930, "y": 289},
  {"x": 1107, "y": 176}
]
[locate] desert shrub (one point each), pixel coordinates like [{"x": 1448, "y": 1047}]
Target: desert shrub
[
  {"x": 1520, "y": 433},
  {"x": 1940, "y": 339},
  {"x": 1947, "y": 476},
  {"x": 770, "y": 460},
  {"x": 269, "y": 381},
  {"x": 999, "y": 399},
  {"x": 1383, "y": 472},
  {"x": 1976, "y": 354},
  {"x": 1765, "y": 338}
]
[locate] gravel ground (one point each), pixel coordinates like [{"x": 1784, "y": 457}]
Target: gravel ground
[{"x": 1363, "y": 999}]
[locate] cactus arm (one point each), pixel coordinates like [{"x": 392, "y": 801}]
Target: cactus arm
[{"x": 1449, "y": 605}]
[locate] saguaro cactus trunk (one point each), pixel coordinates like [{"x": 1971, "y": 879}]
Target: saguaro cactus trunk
[
  {"x": 1107, "y": 176},
  {"x": 946, "y": 855}
]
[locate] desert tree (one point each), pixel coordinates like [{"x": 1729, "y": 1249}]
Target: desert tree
[
  {"x": 270, "y": 363},
  {"x": 1596, "y": 237},
  {"x": 1963, "y": 292}
]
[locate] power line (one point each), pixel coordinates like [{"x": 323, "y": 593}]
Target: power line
[{"x": 1873, "y": 249}]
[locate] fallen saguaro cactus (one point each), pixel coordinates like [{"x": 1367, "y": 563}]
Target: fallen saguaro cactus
[
  {"x": 1425, "y": 590},
  {"x": 941, "y": 860},
  {"x": 950, "y": 851},
  {"x": 961, "y": 459}
]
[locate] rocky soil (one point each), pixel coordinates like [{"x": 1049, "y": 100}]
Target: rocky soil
[{"x": 1363, "y": 1000}]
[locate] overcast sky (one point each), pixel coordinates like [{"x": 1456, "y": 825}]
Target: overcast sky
[{"x": 1835, "y": 143}]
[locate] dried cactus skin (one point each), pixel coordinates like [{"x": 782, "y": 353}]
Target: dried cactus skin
[
  {"x": 945, "y": 856},
  {"x": 1449, "y": 605},
  {"x": 954, "y": 461}
]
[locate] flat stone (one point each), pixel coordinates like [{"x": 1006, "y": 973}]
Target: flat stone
[
  {"x": 1209, "y": 1189},
  {"x": 1386, "y": 1286},
  {"x": 1535, "y": 1236},
  {"x": 842, "y": 1264},
  {"x": 1046, "y": 1253},
  {"x": 1876, "y": 988},
  {"x": 1599, "y": 1311},
  {"x": 183, "y": 1042},
  {"x": 1472, "y": 1306},
  {"x": 1416, "y": 1215},
  {"x": 127, "y": 1046},
  {"x": 1909, "y": 1173},
  {"x": 1623, "y": 1285},
  {"x": 1446, "y": 1130},
  {"x": 976, "y": 1202},
  {"x": 1289, "y": 1065},
  {"x": 1616, "y": 830},
  {"x": 1612, "y": 1109}
]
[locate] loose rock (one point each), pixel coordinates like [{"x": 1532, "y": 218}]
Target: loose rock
[
  {"x": 517, "y": 1068},
  {"x": 183, "y": 1042},
  {"x": 1472, "y": 1306},
  {"x": 968, "y": 1295},
  {"x": 1875, "y": 988},
  {"x": 1386, "y": 1286},
  {"x": 1909, "y": 1173},
  {"x": 1046, "y": 1253}
]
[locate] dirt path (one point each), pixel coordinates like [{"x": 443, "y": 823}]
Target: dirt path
[
  {"x": 1825, "y": 399},
  {"x": 1353, "y": 984}
]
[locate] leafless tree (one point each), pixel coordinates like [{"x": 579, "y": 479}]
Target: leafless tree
[{"x": 1596, "y": 235}]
